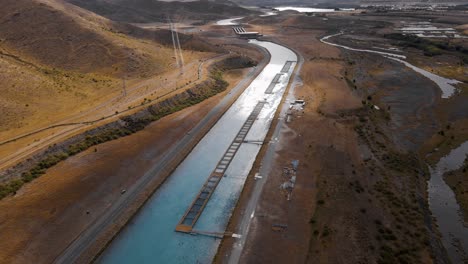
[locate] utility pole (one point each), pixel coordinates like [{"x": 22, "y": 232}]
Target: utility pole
[
  {"x": 125, "y": 70},
  {"x": 124, "y": 87}
]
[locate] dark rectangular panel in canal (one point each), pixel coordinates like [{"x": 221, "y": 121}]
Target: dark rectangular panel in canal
[{"x": 196, "y": 208}]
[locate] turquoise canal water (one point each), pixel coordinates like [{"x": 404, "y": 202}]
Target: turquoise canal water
[{"x": 150, "y": 236}]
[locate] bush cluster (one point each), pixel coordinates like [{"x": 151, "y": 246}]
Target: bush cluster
[{"x": 430, "y": 48}]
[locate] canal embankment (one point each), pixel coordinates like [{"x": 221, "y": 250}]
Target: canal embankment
[{"x": 151, "y": 235}]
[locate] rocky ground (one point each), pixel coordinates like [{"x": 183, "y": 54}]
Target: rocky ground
[{"x": 360, "y": 195}]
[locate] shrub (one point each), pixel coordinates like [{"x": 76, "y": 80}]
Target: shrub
[{"x": 11, "y": 187}]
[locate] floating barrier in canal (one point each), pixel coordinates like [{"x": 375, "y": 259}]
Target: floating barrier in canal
[
  {"x": 273, "y": 83},
  {"x": 277, "y": 77},
  {"x": 287, "y": 66},
  {"x": 192, "y": 214}
]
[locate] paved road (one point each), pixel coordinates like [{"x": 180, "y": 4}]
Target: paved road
[
  {"x": 267, "y": 161},
  {"x": 87, "y": 237}
]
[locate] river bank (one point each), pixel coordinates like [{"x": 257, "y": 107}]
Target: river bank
[
  {"x": 444, "y": 199},
  {"x": 445, "y": 205}
]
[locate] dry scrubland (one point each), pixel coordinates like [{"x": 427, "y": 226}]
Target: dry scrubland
[
  {"x": 70, "y": 59},
  {"x": 360, "y": 195}
]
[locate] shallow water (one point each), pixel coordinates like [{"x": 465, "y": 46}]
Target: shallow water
[
  {"x": 305, "y": 9},
  {"x": 428, "y": 28},
  {"x": 150, "y": 237},
  {"x": 269, "y": 13},
  {"x": 229, "y": 21},
  {"x": 442, "y": 200},
  {"x": 445, "y": 85},
  {"x": 445, "y": 208}
]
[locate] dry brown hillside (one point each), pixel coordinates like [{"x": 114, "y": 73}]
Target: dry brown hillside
[
  {"x": 59, "y": 61},
  {"x": 63, "y": 36}
]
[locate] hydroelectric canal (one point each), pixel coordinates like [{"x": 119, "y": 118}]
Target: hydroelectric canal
[{"x": 151, "y": 237}]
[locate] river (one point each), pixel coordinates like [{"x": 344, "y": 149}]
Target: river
[
  {"x": 229, "y": 21},
  {"x": 445, "y": 207},
  {"x": 150, "y": 236},
  {"x": 445, "y": 85},
  {"x": 305, "y": 9}
]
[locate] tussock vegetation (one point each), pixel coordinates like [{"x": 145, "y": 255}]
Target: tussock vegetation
[
  {"x": 386, "y": 192},
  {"x": 430, "y": 48},
  {"x": 236, "y": 62},
  {"x": 133, "y": 123}
]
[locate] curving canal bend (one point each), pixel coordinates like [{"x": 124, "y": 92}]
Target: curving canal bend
[{"x": 151, "y": 236}]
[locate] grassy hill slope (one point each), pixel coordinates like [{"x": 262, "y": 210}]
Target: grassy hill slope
[
  {"x": 57, "y": 59},
  {"x": 140, "y": 11}
]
